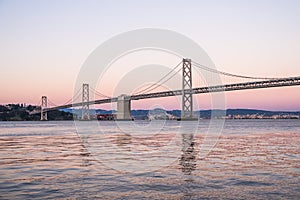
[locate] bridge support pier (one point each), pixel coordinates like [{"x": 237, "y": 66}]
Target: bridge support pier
[
  {"x": 187, "y": 91},
  {"x": 124, "y": 108},
  {"x": 43, "y": 106}
]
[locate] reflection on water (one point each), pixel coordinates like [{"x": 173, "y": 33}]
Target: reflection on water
[
  {"x": 123, "y": 139},
  {"x": 188, "y": 157},
  {"x": 48, "y": 160}
]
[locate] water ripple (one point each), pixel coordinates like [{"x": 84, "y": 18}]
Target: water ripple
[{"x": 49, "y": 161}]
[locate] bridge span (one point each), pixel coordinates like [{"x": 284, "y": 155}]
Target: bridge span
[{"x": 187, "y": 92}]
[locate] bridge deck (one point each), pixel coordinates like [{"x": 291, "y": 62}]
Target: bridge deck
[{"x": 292, "y": 81}]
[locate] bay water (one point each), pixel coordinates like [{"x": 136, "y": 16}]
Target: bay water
[{"x": 249, "y": 159}]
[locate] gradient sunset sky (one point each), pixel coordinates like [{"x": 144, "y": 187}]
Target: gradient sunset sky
[{"x": 43, "y": 44}]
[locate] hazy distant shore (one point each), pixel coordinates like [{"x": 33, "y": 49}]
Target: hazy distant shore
[{"x": 22, "y": 112}]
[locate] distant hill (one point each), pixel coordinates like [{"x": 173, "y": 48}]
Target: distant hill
[
  {"x": 244, "y": 112},
  {"x": 259, "y": 112},
  {"x": 21, "y": 112},
  {"x": 206, "y": 114}
]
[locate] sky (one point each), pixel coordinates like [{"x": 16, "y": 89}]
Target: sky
[{"x": 44, "y": 43}]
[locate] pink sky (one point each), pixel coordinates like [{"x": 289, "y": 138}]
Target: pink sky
[{"x": 43, "y": 45}]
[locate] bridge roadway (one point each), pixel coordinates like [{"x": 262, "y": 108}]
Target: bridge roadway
[{"x": 291, "y": 81}]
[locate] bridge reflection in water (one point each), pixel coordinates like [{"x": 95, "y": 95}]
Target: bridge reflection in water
[{"x": 187, "y": 159}]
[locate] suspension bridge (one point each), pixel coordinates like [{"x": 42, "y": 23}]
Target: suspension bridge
[{"x": 187, "y": 91}]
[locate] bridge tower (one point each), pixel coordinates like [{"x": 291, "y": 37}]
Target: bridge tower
[
  {"x": 43, "y": 106},
  {"x": 187, "y": 92},
  {"x": 85, "y": 115}
]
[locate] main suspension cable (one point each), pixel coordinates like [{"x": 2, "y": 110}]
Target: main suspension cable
[
  {"x": 157, "y": 83},
  {"x": 99, "y": 93},
  {"x": 227, "y": 74}
]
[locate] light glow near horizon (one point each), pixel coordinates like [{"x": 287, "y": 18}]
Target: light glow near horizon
[{"x": 44, "y": 43}]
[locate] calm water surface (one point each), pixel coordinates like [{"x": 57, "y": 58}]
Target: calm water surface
[{"x": 253, "y": 159}]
